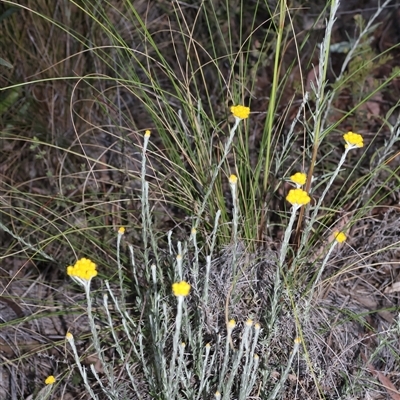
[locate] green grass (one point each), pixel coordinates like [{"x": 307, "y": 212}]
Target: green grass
[{"x": 87, "y": 80}]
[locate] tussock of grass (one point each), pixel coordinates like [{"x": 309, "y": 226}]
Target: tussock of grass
[{"x": 88, "y": 79}]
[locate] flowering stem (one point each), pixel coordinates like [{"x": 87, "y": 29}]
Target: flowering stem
[
  {"x": 215, "y": 174},
  {"x": 244, "y": 344},
  {"x": 81, "y": 368},
  {"x": 235, "y": 212},
  {"x": 178, "y": 324},
  {"x": 333, "y": 177},
  {"x": 282, "y": 256},
  {"x": 93, "y": 329},
  {"x": 233, "y": 184},
  {"x": 120, "y": 272},
  {"x": 235, "y": 221},
  {"x": 321, "y": 269},
  {"x": 145, "y": 217},
  {"x": 279, "y": 386},
  {"x": 307, "y": 230},
  {"x": 203, "y": 377},
  {"x": 286, "y": 238},
  {"x": 320, "y": 96},
  {"x": 230, "y": 326}
]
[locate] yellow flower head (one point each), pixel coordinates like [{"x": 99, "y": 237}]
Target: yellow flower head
[
  {"x": 84, "y": 269},
  {"x": 353, "y": 140},
  {"x": 181, "y": 288},
  {"x": 298, "y": 197},
  {"x": 147, "y": 133},
  {"x": 240, "y": 112},
  {"x": 121, "y": 230},
  {"x": 231, "y": 324},
  {"x": 340, "y": 237},
  {"x": 233, "y": 179},
  {"x": 50, "y": 380},
  {"x": 69, "y": 336},
  {"x": 299, "y": 179}
]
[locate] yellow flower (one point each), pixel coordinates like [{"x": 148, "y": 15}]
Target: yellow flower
[
  {"x": 121, "y": 230},
  {"x": 181, "y": 288},
  {"x": 240, "y": 112},
  {"x": 298, "y": 197},
  {"x": 297, "y": 340},
  {"x": 231, "y": 324},
  {"x": 353, "y": 140},
  {"x": 50, "y": 380},
  {"x": 69, "y": 336},
  {"x": 83, "y": 268},
  {"x": 147, "y": 133},
  {"x": 299, "y": 178},
  {"x": 233, "y": 179},
  {"x": 340, "y": 237}
]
